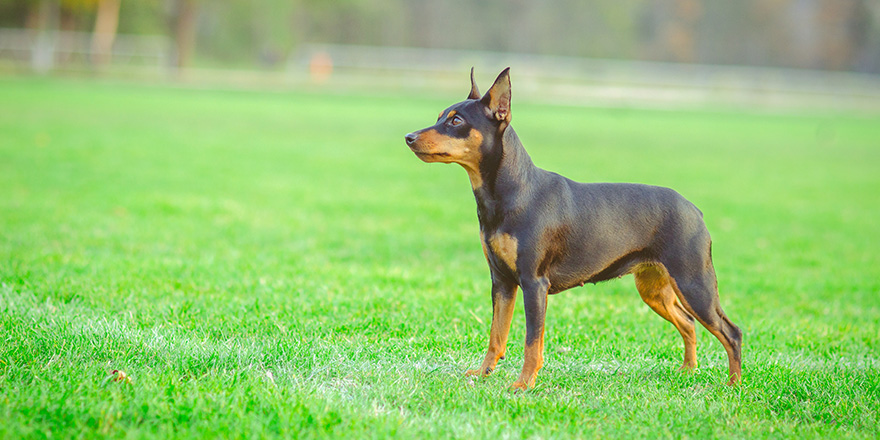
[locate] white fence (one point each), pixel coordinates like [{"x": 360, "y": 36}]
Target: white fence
[
  {"x": 584, "y": 81},
  {"x": 565, "y": 80},
  {"x": 51, "y": 50}
]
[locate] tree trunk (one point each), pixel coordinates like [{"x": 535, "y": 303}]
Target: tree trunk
[
  {"x": 185, "y": 32},
  {"x": 43, "y": 20},
  {"x": 105, "y": 31}
]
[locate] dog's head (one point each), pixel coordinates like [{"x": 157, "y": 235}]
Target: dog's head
[{"x": 467, "y": 131}]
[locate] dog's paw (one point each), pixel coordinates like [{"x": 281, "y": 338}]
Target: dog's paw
[
  {"x": 482, "y": 373},
  {"x": 519, "y": 386},
  {"x": 687, "y": 368}
]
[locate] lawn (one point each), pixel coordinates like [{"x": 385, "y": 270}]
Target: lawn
[{"x": 265, "y": 264}]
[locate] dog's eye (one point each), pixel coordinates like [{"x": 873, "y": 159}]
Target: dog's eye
[{"x": 456, "y": 121}]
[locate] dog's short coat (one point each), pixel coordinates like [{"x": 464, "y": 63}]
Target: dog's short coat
[{"x": 545, "y": 233}]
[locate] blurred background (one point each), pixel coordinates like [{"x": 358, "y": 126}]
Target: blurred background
[{"x": 767, "y": 53}]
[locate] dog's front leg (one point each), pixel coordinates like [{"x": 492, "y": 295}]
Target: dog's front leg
[
  {"x": 535, "y": 303},
  {"x": 503, "y": 301}
]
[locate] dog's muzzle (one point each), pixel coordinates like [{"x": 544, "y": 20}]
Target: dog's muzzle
[{"x": 411, "y": 138}]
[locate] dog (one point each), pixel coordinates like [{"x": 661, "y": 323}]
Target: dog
[{"x": 544, "y": 233}]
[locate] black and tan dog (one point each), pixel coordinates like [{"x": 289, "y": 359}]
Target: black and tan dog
[{"x": 545, "y": 233}]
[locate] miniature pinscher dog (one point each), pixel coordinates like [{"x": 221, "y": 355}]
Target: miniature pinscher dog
[{"x": 544, "y": 233}]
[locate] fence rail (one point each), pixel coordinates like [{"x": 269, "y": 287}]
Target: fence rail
[
  {"x": 587, "y": 81},
  {"x": 50, "y": 50},
  {"x": 565, "y": 80}
]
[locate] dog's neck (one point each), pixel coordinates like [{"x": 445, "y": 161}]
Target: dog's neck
[{"x": 505, "y": 180}]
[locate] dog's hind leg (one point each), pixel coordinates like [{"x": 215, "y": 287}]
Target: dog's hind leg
[
  {"x": 654, "y": 286},
  {"x": 694, "y": 282}
]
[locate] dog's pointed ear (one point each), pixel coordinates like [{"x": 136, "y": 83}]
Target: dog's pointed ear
[
  {"x": 497, "y": 99},
  {"x": 475, "y": 92}
]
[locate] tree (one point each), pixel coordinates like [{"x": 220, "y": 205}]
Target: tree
[
  {"x": 106, "y": 23},
  {"x": 184, "y": 23}
]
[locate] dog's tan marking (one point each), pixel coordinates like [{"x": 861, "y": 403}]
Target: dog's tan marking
[
  {"x": 435, "y": 147},
  {"x": 451, "y": 114},
  {"x": 504, "y": 246},
  {"x": 483, "y": 243},
  {"x": 655, "y": 287}
]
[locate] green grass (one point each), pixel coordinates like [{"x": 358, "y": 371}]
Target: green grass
[{"x": 280, "y": 264}]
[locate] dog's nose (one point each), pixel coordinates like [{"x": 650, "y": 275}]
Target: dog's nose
[{"x": 411, "y": 138}]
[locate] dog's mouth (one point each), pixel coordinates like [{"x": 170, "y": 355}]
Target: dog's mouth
[
  {"x": 420, "y": 154},
  {"x": 426, "y": 156}
]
